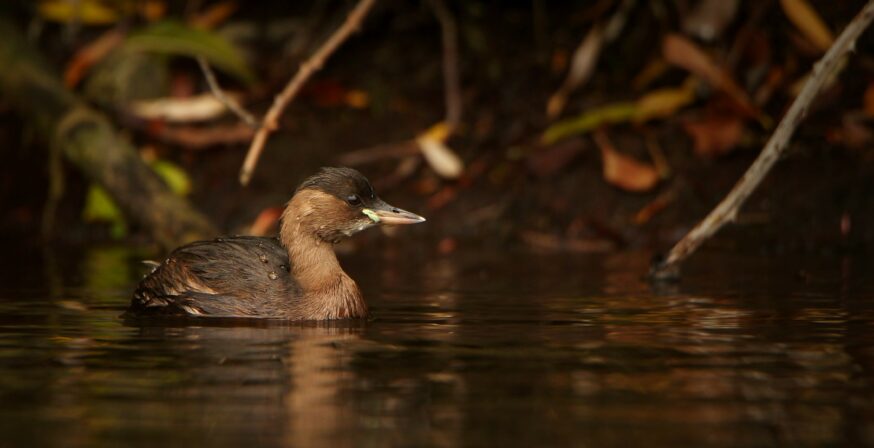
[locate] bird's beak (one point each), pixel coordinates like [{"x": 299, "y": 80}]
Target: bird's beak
[{"x": 382, "y": 213}]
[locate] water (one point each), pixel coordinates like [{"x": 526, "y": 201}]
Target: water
[{"x": 472, "y": 349}]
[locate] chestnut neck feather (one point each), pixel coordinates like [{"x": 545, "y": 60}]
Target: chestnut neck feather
[{"x": 328, "y": 293}]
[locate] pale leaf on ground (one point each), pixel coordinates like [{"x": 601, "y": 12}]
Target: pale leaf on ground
[
  {"x": 806, "y": 19},
  {"x": 196, "y": 108},
  {"x": 440, "y": 157},
  {"x": 624, "y": 171},
  {"x": 582, "y": 66}
]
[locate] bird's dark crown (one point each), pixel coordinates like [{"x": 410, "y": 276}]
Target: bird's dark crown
[{"x": 342, "y": 183}]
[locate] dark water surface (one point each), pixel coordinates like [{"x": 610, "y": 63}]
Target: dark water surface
[{"x": 468, "y": 350}]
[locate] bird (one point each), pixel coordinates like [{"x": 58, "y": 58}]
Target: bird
[{"x": 293, "y": 277}]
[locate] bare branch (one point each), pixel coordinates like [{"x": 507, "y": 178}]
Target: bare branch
[
  {"x": 451, "y": 82},
  {"x": 307, "y": 68},
  {"x": 727, "y": 210},
  {"x": 217, "y": 91}
]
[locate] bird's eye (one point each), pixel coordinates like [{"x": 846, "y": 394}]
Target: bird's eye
[{"x": 353, "y": 200}]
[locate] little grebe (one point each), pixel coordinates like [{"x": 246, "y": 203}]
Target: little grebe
[{"x": 295, "y": 277}]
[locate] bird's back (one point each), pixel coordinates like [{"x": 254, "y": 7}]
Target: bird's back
[{"x": 231, "y": 276}]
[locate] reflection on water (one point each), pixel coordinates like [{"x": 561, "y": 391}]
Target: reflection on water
[{"x": 513, "y": 349}]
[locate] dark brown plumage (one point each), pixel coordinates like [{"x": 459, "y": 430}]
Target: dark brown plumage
[{"x": 295, "y": 277}]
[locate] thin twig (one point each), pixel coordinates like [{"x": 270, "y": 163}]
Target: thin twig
[
  {"x": 451, "y": 82},
  {"x": 217, "y": 91},
  {"x": 307, "y": 68},
  {"x": 727, "y": 209}
]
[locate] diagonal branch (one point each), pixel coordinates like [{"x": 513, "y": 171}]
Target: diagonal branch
[
  {"x": 220, "y": 94},
  {"x": 307, "y": 68},
  {"x": 727, "y": 209}
]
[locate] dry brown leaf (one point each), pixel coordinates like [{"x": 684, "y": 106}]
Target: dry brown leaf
[
  {"x": 440, "y": 157},
  {"x": 266, "y": 220},
  {"x": 582, "y": 66},
  {"x": 549, "y": 160},
  {"x": 805, "y": 18},
  {"x": 662, "y": 201},
  {"x": 152, "y": 10},
  {"x": 869, "y": 100},
  {"x": 650, "y": 72},
  {"x": 624, "y": 171},
  {"x": 90, "y": 54},
  {"x": 715, "y": 135},
  {"x": 214, "y": 15},
  {"x": 684, "y": 53},
  {"x": 853, "y": 132}
]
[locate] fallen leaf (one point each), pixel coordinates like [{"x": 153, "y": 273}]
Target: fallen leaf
[
  {"x": 773, "y": 80},
  {"x": 265, "y": 221},
  {"x": 88, "y": 12},
  {"x": 853, "y": 132},
  {"x": 589, "y": 121},
  {"x": 549, "y": 160},
  {"x": 201, "y": 107},
  {"x": 684, "y": 53},
  {"x": 582, "y": 66},
  {"x": 624, "y": 171},
  {"x": 652, "y": 71},
  {"x": 665, "y": 102},
  {"x": 174, "y": 176},
  {"x": 645, "y": 214},
  {"x": 357, "y": 99},
  {"x": 152, "y": 10},
  {"x": 805, "y": 18},
  {"x": 214, "y": 15},
  {"x": 714, "y": 135},
  {"x": 440, "y": 157},
  {"x": 447, "y": 246},
  {"x": 869, "y": 100},
  {"x": 90, "y": 54}
]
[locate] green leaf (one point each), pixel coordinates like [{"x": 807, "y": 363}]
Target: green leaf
[
  {"x": 174, "y": 38},
  {"x": 99, "y": 206},
  {"x": 589, "y": 121},
  {"x": 175, "y": 177}
]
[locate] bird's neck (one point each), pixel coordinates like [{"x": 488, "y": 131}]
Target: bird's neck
[{"x": 328, "y": 293}]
